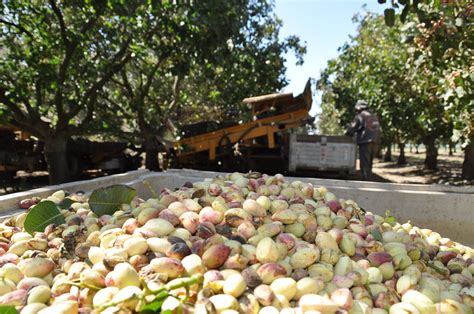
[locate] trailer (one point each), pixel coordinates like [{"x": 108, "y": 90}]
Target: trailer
[
  {"x": 261, "y": 144},
  {"x": 276, "y": 140},
  {"x": 322, "y": 153},
  {"x": 20, "y": 151}
]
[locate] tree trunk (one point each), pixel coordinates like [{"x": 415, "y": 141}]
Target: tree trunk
[
  {"x": 401, "y": 158},
  {"x": 411, "y": 148},
  {"x": 151, "y": 150},
  {"x": 55, "y": 152},
  {"x": 451, "y": 146},
  {"x": 431, "y": 160},
  {"x": 417, "y": 151},
  {"x": 388, "y": 153},
  {"x": 468, "y": 164},
  {"x": 378, "y": 153}
]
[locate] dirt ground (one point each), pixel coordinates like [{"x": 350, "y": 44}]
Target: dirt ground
[{"x": 448, "y": 173}]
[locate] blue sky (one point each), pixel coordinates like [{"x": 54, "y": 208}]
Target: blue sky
[{"x": 325, "y": 25}]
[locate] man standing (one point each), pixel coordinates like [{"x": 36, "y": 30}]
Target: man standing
[{"x": 367, "y": 127}]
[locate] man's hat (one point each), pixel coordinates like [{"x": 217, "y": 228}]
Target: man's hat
[{"x": 361, "y": 105}]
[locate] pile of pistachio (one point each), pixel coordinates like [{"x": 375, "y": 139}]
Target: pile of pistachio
[{"x": 235, "y": 244}]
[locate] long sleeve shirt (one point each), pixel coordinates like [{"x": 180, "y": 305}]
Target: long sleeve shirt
[{"x": 367, "y": 127}]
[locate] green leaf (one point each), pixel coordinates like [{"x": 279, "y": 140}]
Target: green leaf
[
  {"x": 42, "y": 215},
  {"x": 377, "y": 235},
  {"x": 66, "y": 203},
  {"x": 106, "y": 201},
  {"x": 8, "y": 309},
  {"x": 152, "y": 307},
  {"x": 389, "y": 15},
  {"x": 389, "y": 218}
]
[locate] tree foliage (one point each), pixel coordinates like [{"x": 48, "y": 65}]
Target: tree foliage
[
  {"x": 441, "y": 41},
  {"x": 146, "y": 91},
  {"x": 232, "y": 59},
  {"x": 372, "y": 67},
  {"x": 72, "y": 68},
  {"x": 251, "y": 64},
  {"x": 57, "y": 59},
  {"x": 329, "y": 121},
  {"x": 417, "y": 91}
]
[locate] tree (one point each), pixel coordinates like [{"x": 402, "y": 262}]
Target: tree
[
  {"x": 367, "y": 69},
  {"x": 147, "y": 88},
  {"x": 57, "y": 59},
  {"x": 232, "y": 59},
  {"x": 127, "y": 66},
  {"x": 439, "y": 34},
  {"x": 251, "y": 64},
  {"x": 376, "y": 66},
  {"x": 329, "y": 121}
]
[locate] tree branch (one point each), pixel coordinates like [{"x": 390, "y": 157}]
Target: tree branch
[
  {"x": 117, "y": 107},
  {"x": 33, "y": 113},
  {"x": 140, "y": 80},
  {"x": 19, "y": 27},
  {"x": 149, "y": 79},
  {"x": 73, "y": 130},
  {"x": 27, "y": 127},
  {"x": 176, "y": 87},
  {"x": 62, "y": 25},
  {"x": 39, "y": 96},
  {"x": 138, "y": 102},
  {"x": 117, "y": 63},
  {"x": 92, "y": 97},
  {"x": 127, "y": 84},
  {"x": 87, "y": 26},
  {"x": 89, "y": 112},
  {"x": 21, "y": 119},
  {"x": 69, "y": 48},
  {"x": 17, "y": 112}
]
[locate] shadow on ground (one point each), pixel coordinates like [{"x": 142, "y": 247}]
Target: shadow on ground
[{"x": 448, "y": 172}]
